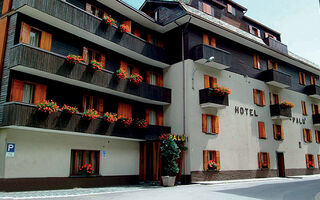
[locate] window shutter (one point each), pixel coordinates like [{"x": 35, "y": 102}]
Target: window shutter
[
  {"x": 206, "y": 8},
  {"x": 282, "y": 134},
  {"x": 148, "y": 116},
  {"x": 205, "y": 160},
  {"x": 128, "y": 23},
  {"x": 103, "y": 60},
  {"x": 305, "y": 135},
  {"x": 85, "y": 54},
  {"x": 268, "y": 160},
  {"x": 40, "y": 93},
  {"x": 160, "y": 44},
  {"x": 275, "y": 131},
  {"x": 160, "y": 80},
  {"x": 218, "y": 160},
  {"x": 215, "y": 124},
  {"x": 206, "y": 81},
  {"x": 250, "y": 29},
  {"x": 262, "y": 99},
  {"x": 25, "y": 33},
  {"x": 100, "y": 106},
  {"x": 259, "y": 33},
  {"x": 124, "y": 110},
  {"x": 204, "y": 123},
  {"x": 205, "y": 39},
  {"x": 258, "y": 62},
  {"x": 148, "y": 77},
  {"x": 16, "y": 90},
  {"x": 149, "y": 38},
  {"x": 304, "y": 78},
  {"x": 123, "y": 66},
  {"x": 88, "y": 7},
  {"x": 271, "y": 98},
  {"x": 269, "y": 64},
  {"x": 213, "y": 42},
  {"x": 159, "y": 118},
  {"x": 136, "y": 32},
  {"x": 135, "y": 70},
  {"x": 313, "y": 109},
  {"x": 46, "y": 41},
  {"x": 300, "y": 78},
  {"x": 276, "y": 66},
  {"x": 259, "y": 160},
  {"x": 229, "y": 8},
  {"x": 307, "y": 160},
  {"x": 255, "y": 61},
  {"x": 310, "y": 135},
  {"x": 262, "y": 133},
  {"x": 317, "y": 136},
  {"x": 319, "y": 161},
  {"x": 312, "y": 156},
  {"x": 255, "y": 101},
  {"x": 304, "y": 108},
  {"x": 213, "y": 81}
]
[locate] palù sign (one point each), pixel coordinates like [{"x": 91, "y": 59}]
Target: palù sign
[
  {"x": 298, "y": 120},
  {"x": 245, "y": 111}
]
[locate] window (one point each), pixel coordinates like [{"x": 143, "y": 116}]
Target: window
[
  {"x": 89, "y": 54},
  {"x": 319, "y": 161},
  {"x": 28, "y": 90},
  {"x": 210, "y": 155},
  {"x": 206, "y": 8},
  {"x": 264, "y": 160},
  {"x": 92, "y": 102},
  {"x": 210, "y": 124},
  {"x": 231, "y": 9},
  {"x": 315, "y": 109},
  {"x": 83, "y": 157},
  {"x": 317, "y": 133},
  {"x": 278, "y": 132},
  {"x": 208, "y": 40},
  {"x": 267, "y": 35},
  {"x": 35, "y": 37},
  {"x": 302, "y": 78},
  {"x": 124, "y": 110},
  {"x": 272, "y": 65},
  {"x": 274, "y": 99},
  {"x": 154, "y": 117},
  {"x": 259, "y": 97},
  {"x": 95, "y": 10},
  {"x": 304, "y": 108},
  {"x": 307, "y": 135},
  {"x": 313, "y": 80},
  {"x": 209, "y": 81},
  {"x": 254, "y": 31},
  {"x": 309, "y": 161},
  {"x": 154, "y": 78},
  {"x": 256, "y": 61},
  {"x": 262, "y": 131}
]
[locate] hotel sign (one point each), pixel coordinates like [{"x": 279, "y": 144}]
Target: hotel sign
[{"x": 245, "y": 111}]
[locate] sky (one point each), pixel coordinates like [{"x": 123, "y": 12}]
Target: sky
[{"x": 298, "y": 21}]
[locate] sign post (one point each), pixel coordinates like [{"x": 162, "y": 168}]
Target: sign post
[{"x": 10, "y": 150}]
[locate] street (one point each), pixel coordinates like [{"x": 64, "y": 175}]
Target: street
[{"x": 294, "y": 188}]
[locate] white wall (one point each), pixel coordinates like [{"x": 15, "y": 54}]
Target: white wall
[
  {"x": 49, "y": 154},
  {"x": 2, "y": 152}
]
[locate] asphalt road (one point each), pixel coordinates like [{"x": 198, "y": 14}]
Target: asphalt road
[{"x": 289, "y": 189}]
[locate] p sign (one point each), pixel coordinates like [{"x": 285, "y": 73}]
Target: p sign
[{"x": 10, "y": 150}]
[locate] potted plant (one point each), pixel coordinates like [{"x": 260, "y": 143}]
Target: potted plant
[
  {"x": 86, "y": 170},
  {"x": 110, "y": 117},
  {"x": 73, "y": 59},
  {"x": 135, "y": 79},
  {"x": 69, "y": 109},
  {"x": 141, "y": 123},
  {"x": 47, "y": 107},
  {"x": 220, "y": 90},
  {"x": 311, "y": 165},
  {"x": 96, "y": 65},
  {"x": 124, "y": 28},
  {"x": 212, "y": 165},
  {"x": 90, "y": 114},
  {"x": 286, "y": 104},
  {"x": 120, "y": 75},
  {"x": 109, "y": 20},
  {"x": 125, "y": 121},
  {"x": 170, "y": 153},
  {"x": 265, "y": 165}
]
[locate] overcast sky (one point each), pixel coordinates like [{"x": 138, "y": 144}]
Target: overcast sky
[{"x": 298, "y": 21}]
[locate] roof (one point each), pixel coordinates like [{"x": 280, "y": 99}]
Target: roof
[{"x": 264, "y": 26}]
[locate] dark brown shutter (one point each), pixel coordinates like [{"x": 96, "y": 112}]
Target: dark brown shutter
[
  {"x": 25, "y": 33},
  {"x": 159, "y": 120},
  {"x": 100, "y": 106},
  {"x": 40, "y": 93},
  {"x": 307, "y": 160},
  {"x": 259, "y": 160},
  {"x": 204, "y": 123},
  {"x": 46, "y": 41},
  {"x": 268, "y": 160},
  {"x": 85, "y": 54},
  {"x": 16, "y": 90}
]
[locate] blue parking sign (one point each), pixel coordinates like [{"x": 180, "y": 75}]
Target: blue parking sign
[{"x": 10, "y": 150}]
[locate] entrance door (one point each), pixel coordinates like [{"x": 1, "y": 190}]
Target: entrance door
[
  {"x": 281, "y": 168},
  {"x": 149, "y": 161}
]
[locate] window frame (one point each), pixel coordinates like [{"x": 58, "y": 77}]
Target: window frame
[
  {"x": 307, "y": 135},
  {"x": 308, "y": 158},
  {"x": 262, "y": 156},
  {"x": 277, "y": 128},
  {"x": 302, "y": 78},
  {"x": 304, "y": 108},
  {"x": 262, "y": 99},
  {"x": 74, "y": 169},
  {"x": 214, "y": 124},
  {"x": 207, "y": 154},
  {"x": 33, "y": 87}
]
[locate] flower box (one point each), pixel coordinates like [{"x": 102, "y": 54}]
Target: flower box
[
  {"x": 90, "y": 114},
  {"x": 141, "y": 123},
  {"x": 69, "y": 109},
  {"x": 47, "y": 107},
  {"x": 73, "y": 59},
  {"x": 265, "y": 166},
  {"x": 120, "y": 75},
  {"x": 286, "y": 104},
  {"x": 86, "y": 170},
  {"x": 110, "y": 117},
  {"x": 124, "y": 28},
  {"x": 125, "y": 121},
  {"x": 135, "y": 79},
  {"x": 109, "y": 21},
  {"x": 310, "y": 165},
  {"x": 96, "y": 65},
  {"x": 212, "y": 165},
  {"x": 220, "y": 90}
]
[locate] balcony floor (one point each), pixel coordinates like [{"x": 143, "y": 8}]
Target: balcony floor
[
  {"x": 212, "y": 64},
  {"x": 277, "y": 84}
]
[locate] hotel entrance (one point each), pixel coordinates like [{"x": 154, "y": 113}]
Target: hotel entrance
[
  {"x": 281, "y": 166},
  {"x": 150, "y": 161}
]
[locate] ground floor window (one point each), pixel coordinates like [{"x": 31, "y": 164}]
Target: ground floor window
[
  {"x": 211, "y": 160},
  {"x": 307, "y": 135},
  {"x": 85, "y": 162},
  {"x": 264, "y": 160},
  {"x": 278, "y": 132},
  {"x": 310, "y": 161}
]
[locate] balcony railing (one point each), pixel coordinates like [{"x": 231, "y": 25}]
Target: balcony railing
[
  {"x": 276, "y": 78},
  {"x": 20, "y": 114},
  {"x": 34, "y": 60},
  {"x": 276, "y": 45},
  {"x": 210, "y": 99},
  {"x": 313, "y": 91},
  {"x": 79, "y": 18},
  {"x": 279, "y": 112},
  {"x": 316, "y": 119},
  {"x": 220, "y": 59}
]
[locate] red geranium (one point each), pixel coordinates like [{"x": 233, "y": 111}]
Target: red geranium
[
  {"x": 69, "y": 109},
  {"x": 124, "y": 28},
  {"x": 48, "y": 106},
  {"x": 90, "y": 114},
  {"x": 109, "y": 20},
  {"x": 125, "y": 121},
  {"x": 141, "y": 123},
  {"x": 74, "y": 59},
  {"x": 86, "y": 169},
  {"x": 110, "y": 117},
  {"x": 121, "y": 74},
  {"x": 96, "y": 65},
  {"x": 135, "y": 78}
]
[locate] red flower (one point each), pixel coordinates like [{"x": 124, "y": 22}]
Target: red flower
[
  {"x": 74, "y": 59},
  {"x": 124, "y": 28},
  {"x": 109, "y": 20},
  {"x": 96, "y": 65}
]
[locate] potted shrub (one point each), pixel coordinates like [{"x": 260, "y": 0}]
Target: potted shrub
[
  {"x": 141, "y": 123},
  {"x": 109, "y": 20},
  {"x": 220, "y": 90},
  {"x": 124, "y": 28},
  {"x": 170, "y": 152},
  {"x": 73, "y": 59},
  {"x": 110, "y": 117},
  {"x": 90, "y": 114},
  {"x": 69, "y": 109},
  {"x": 135, "y": 79},
  {"x": 125, "y": 121},
  {"x": 47, "y": 107},
  {"x": 96, "y": 65},
  {"x": 212, "y": 165},
  {"x": 120, "y": 75},
  {"x": 264, "y": 165},
  {"x": 86, "y": 170},
  {"x": 286, "y": 104}
]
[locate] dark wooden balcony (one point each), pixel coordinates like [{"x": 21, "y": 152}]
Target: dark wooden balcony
[
  {"x": 279, "y": 112},
  {"x": 202, "y": 53},
  {"x": 313, "y": 91},
  {"x": 316, "y": 119},
  {"x": 276, "y": 78},
  {"x": 26, "y": 115},
  {"x": 72, "y": 19},
  {"x": 42, "y": 63},
  {"x": 276, "y": 45},
  {"x": 210, "y": 99}
]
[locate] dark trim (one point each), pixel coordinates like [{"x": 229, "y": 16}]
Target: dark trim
[
  {"x": 209, "y": 96},
  {"x": 276, "y": 76},
  {"x": 276, "y": 45},
  {"x": 312, "y": 90},
  {"x": 316, "y": 119},
  {"x": 279, "y": 111},
  {"x": 32, "y": 184}
]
